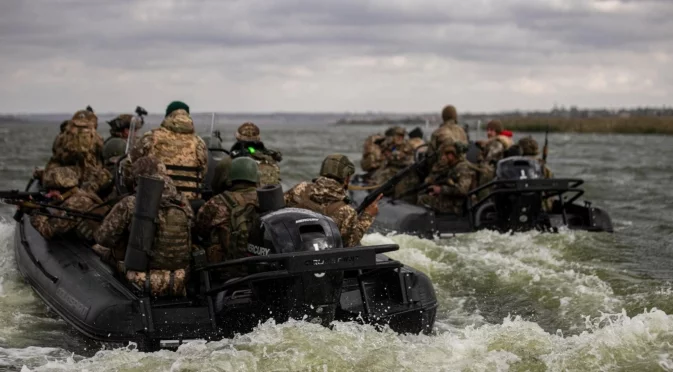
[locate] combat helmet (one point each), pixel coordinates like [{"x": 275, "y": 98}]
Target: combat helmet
[
  {"x": 449, "y": 113},
  {"x": 337, "y": 166},
  {"x": 114, "y": 146},
  {"x": 244, "y": 169},
  {"x": 248, "y": 132},
  {"x": 529, "y": 146},
  {"x": 85, "y": 118}
]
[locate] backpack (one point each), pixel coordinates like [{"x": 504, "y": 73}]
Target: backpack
[{"x": 242, "y": 220}]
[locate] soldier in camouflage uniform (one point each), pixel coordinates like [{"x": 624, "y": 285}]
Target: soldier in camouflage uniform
[
  {"x": 249, "y": 143},
  {"x": 78, "y": 145},
  {"x": 171, "y": 251},
  {"x": 78, "y": 142},
  {"x": 398, "y": 155},
  {"x": 529, "y": 149},
  {"x": 62, "y": 183},
  {"x": 175, "y": 145},
  {"x": 327, "y": 195},
  {"x": 449, "y": 131},
  {"x": 372, "y": 156},
  {"x": 494, "y": 148},
  {"x": 416, "y": 138},
  {"x": 226, "y": 220},
  {"x": 450, "y": 180},
  {"x": 114, "y": 146}
]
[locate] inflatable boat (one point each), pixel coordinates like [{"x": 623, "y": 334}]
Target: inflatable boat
[
  {"x": 306, "y": 274},
  {"x": 519, "y": 199}
]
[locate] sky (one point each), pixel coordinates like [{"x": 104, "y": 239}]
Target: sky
[{"x": 334, "y": 55}]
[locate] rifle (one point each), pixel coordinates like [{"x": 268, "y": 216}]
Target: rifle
[
  {"x": 37, "y": 201},
  {"x": 390, "y": 184},
  {"x": 545, "y": 149}
]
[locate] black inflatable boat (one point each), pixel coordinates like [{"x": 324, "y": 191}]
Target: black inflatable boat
[
  {"x": 305, "y": 275},
  {"x": 513, "y": 202}
]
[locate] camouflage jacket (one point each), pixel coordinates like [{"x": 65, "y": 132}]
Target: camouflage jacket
[
  {"x": 328, "y": 197},
  {"x": 115, "y": 228},
  {"x": 269, "y": 171},
  {"x": 77, "y": 200},
  {"x": 176, "y": 145},
  {"x": 449, "y": 131},
  {"x": 90, "y": 177},
  {"x": 494, "y": 149},
  {"x": 416, "y": 142},
  {"x": 213, "y": 224},
  {"x": 455, "y": 183}
]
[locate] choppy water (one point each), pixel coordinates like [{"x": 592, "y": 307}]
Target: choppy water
[{"x": 523, "y": 302}]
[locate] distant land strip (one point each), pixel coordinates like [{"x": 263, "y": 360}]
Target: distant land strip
[{"x": 629, "y": 125}]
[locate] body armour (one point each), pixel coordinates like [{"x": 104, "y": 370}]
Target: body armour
[{"x": 183, "y": 153}]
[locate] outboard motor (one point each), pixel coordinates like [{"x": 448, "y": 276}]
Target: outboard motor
[
  {"x": 143, "y": 225},
  {"x": 518, "y": 210},
  {"x": 313, "y": 295}
]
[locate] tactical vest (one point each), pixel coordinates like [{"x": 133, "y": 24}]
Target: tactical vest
[
  {"x": 178, "y": 152},
  {"x": 172, "y": 240},
  {"x": 269, "y": 171},
  {"x": 304, "y": 201},
  {"x": 243, "y": 216}
]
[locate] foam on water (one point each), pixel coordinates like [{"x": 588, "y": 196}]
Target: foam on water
[
  {"x": 609, "y": 342},
  {"x": 521, "y": 274}
]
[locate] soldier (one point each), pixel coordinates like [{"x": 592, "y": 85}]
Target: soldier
[
  {"x": 175, "y": 145},
  {"x": 249, "y": 143},
  {"x": 115, "y": 145},
  {"x": 450, "y": 180},
  {"x": 78, "y": 142},
  {"x": 529, "y": 149},
  {"x": 62, "y": 183},
  {"x": 171, "y": 251},
  {"x": 372, "y": 156},
  {"x": 494, "y": 148},
  {"x": 416, "y": 138},
  {"x": 327, "y": 195},
  {"x": 226, "y": 220},
  {"x": 397, "y": 154},
  {"x": 448, "y": 131}
]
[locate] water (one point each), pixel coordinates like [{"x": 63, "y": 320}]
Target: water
[{"x": 522, "y": 302}]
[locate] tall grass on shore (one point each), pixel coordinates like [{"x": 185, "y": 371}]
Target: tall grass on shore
[{"x": 630, "y": 125}]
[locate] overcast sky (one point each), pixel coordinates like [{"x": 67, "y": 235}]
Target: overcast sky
[{"x": 336, "y": 55}]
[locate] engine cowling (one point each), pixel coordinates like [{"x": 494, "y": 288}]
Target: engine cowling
[{"x": 294, "y": 230}]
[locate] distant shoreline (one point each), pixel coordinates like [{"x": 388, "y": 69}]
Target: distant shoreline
[{"x": 618, "y": 125}]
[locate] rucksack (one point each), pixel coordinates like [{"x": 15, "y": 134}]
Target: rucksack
[{"x": 242, "y": 221}]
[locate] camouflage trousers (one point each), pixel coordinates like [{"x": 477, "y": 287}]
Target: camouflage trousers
[
  {"x": 442, "y": 204},
  {"x": 161, "y": 283}
]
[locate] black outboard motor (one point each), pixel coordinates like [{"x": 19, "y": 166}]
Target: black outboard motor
[
  {"x": 518, "y": 211},
  {"x": 312, "y": 295},
  {"x": 143, "y": 225}
]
